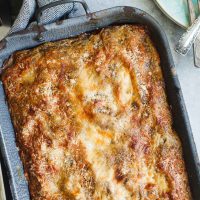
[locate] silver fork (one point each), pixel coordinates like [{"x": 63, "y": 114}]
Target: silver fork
[
  {"x": 192, "y": 19},
  {"x": 188, "y": 38},
  {"x": 197, "y": 46},
  {"x": 191, "y": 36}
]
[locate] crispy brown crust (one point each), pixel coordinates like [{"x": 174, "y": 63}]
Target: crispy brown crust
[{"x": 92, "y": 121}]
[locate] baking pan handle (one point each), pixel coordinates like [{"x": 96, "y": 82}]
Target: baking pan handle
[{"x": 56, "y": 3}]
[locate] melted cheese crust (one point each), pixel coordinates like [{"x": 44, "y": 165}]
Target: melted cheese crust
[{"x": 92, "y": 121}]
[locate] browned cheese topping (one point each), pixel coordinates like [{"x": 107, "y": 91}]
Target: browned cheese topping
[{"x": 92, "y": 120}]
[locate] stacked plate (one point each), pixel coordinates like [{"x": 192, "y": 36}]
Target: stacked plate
[{"x": 177, "y": 10}]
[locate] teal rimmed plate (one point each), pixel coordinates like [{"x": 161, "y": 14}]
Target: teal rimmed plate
[{"x": 177, "y": 10}]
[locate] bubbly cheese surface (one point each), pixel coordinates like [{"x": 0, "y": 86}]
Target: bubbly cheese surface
[{"x": 92, "y": 121}]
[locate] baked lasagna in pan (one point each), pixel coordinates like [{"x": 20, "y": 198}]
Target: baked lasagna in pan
[{"x": 92, "y": 120}]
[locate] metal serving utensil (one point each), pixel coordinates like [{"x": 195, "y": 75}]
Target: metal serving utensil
[
  {"x": 2, "y": 189},
  {"x": 197, "y": 46},
  {"x": 189, "y": 37}
]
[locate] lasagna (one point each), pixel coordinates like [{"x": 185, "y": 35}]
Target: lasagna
[{"x": 92, "y": 121}]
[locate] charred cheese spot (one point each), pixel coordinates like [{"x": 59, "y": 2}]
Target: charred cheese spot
[{"x": 118, "y": 175}]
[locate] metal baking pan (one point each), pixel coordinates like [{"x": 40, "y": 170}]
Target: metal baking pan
[{"x": 75, "y": 26}]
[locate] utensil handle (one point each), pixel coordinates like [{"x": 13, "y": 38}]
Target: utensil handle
[
  {"x": 191, "y": 11},
  {"x": 56, "y": 3},
  {"x": 188, "y": 38},
  {"x": 2, "y": 190}
]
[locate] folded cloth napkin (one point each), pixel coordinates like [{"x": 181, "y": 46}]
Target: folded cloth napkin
[{"x": 28, "y": 9}]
